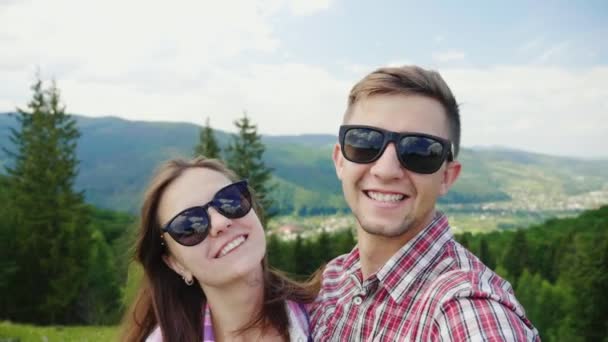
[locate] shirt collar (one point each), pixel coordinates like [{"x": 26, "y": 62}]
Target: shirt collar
[
  {"x": 415, "y": 258},
  {"x": 352, "y": 263}
]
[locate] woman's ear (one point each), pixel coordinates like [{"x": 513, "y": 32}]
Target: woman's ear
[{"x": 175, "y": 265}]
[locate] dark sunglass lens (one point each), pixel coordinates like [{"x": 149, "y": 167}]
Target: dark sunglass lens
[
  {"x": 421, "y": 154},
  {"x": 234, "y": 201},
  {"x": 190, "y": 227},
  {"x": 362, "y": 145}
]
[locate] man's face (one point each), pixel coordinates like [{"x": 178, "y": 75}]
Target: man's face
[{"x": 387, "y": 199}]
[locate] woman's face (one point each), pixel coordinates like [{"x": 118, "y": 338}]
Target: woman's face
[{"x": 233, "y": 249}]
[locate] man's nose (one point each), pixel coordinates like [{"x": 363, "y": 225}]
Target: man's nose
[{"x": 388, "y": 165}]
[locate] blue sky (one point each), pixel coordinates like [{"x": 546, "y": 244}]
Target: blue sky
[
  {"x": 361, "y": 32},
  {"x": 521, "y": 70}
]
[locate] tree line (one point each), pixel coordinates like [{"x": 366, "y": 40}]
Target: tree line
[
  {"x": 63, "y": 261},
  {"x": 559, "y": 270}
]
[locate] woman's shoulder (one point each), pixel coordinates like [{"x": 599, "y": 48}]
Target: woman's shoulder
[{"x": 299, "y": 328}]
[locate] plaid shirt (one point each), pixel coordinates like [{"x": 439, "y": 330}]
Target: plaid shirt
[{"x": 432, "y": 289}]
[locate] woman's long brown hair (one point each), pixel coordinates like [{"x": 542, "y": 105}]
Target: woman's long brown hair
[{"x": 165, "y": 300}]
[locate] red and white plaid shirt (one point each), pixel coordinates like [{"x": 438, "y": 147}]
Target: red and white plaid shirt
[{"x": 432, "y": 289}]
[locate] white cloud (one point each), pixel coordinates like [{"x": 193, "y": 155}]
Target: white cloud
[
  {"x": 191, "y": 59},
  {"x": 307, "y": 7},
  {"x": 108, "y": 40},
  {"x": 448, "y": 56},
  {"x": 545, "y": 109}
]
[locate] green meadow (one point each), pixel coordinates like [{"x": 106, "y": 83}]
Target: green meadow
[{"x": 28, "y": 333}]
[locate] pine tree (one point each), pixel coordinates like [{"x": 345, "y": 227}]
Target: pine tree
[
  {"x": 8, "y": 260},
  {"x": 465, "y": 240},
  {"x": 207, "y": 144},
  {"x": 515, "y": 258},
  {"x": 343, "y": 242},
  {"x": 484, "y": 253},
  {"x": 275, "y": 252},
  {"x": 300, "y": 257},
  {"x": 51, "y": 238},
  {"x": 323, "y": 251},
  {"x": 244, "y": 155}
]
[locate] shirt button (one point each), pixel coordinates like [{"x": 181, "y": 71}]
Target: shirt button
[{"x": 357, "y": 300}]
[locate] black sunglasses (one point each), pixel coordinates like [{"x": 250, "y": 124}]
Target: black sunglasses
[
  {"x": 191, "y": 226},
  {"x": 417, "y": 152}
]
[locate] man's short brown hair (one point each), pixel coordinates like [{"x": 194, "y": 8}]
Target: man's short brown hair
[{"x": 409, "y": 80}]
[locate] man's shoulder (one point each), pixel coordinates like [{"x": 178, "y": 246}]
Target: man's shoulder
[
  {"x": 461, "y": 288},
  {"x": 462, "y": 273},
  {"x": 462, "y": 277}
]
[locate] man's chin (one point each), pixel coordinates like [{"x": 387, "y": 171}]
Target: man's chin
[{"x": 385, "y": 229}]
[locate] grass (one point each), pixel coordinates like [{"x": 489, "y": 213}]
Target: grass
[{"x": 29, "y": 333}]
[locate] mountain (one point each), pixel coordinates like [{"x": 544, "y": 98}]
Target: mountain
[{"x": 119, "y": 156}]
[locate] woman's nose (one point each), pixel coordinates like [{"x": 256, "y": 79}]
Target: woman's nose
[{"x": 219, "y": 222}]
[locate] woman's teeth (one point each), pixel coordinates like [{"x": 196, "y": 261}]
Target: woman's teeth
[{"x": 232, "y": 245}]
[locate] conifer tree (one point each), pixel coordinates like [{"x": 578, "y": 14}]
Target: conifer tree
[
  {"x": 300, "y": 257},
  {"x": 8, "y": 262},
  {"x": 515, "y": 258},
  {"x": 322, "y": 251},
  {"x": 207, "y": 144},
  {"x": 484, "y": 253},
  {"x": 51, "y": 237},
  {"x": 244, "y": 155}
]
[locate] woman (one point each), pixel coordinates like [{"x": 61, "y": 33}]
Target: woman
[{"x": 203, "y": 252}]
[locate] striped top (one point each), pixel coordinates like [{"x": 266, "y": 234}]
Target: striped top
[
  {"x": 432, "y": 289},
  {"x": 298, "y": 325}
]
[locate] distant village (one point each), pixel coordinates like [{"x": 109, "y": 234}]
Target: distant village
[{"x": 525, "y": 203}]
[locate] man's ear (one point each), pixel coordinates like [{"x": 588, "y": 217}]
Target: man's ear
[
  {"x": 338, "y": 160},
  {"x": 449, "y": 176}
]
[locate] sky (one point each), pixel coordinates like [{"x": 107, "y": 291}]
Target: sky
[{"x": 528, "y": 75}]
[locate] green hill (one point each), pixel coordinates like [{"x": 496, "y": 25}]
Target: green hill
[{"x": 118, "y": 157}]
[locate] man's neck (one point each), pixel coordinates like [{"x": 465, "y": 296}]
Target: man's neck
[
  {"x": 234, "y": 305},
  {"x": 376, "y": 250}
]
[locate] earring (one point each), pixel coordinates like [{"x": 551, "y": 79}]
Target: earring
[{"x": 189, "y": 281}]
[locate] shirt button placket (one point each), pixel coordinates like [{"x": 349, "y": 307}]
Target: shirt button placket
[{"x": 358, "y": 300}]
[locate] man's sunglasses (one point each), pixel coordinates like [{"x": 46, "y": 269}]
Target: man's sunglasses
[
  {"x": 417, "y": 152},
  {"x": 191, "y": 226}
]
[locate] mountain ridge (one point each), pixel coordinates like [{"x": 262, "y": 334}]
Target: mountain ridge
[{"x": 302, "y": 166}]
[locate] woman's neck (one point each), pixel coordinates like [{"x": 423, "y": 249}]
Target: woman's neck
[{"x": 234, "y": 305}]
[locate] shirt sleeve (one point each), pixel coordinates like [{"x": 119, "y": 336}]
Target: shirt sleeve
[{"x": 480, "y": 319}]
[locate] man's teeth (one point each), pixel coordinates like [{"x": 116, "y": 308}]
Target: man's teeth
[
  {"x": 232, "y": 245},
  {"x": 378, "y": 196}
]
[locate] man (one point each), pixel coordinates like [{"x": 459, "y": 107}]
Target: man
[{"x": 407, "y": 279}]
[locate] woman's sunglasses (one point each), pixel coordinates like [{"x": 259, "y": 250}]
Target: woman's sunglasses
[
  {"x": 417, "y": 152},
  {"x": 191, "y": 226}
]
